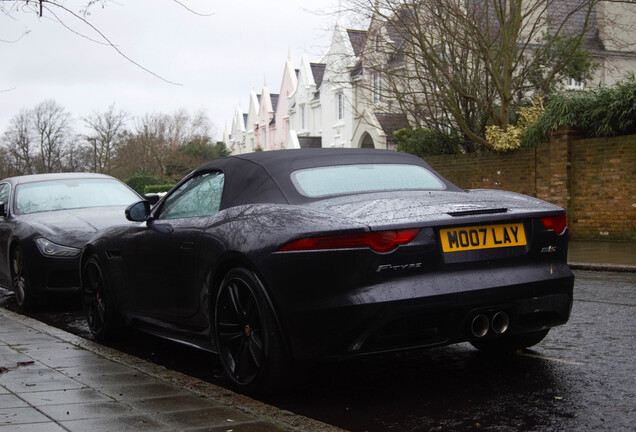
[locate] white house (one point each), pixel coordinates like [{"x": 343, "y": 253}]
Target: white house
[
  {"x": 336, "y": 91},
  {"x": 374, "y": 120},
  {"x": 250, "y": 123},
  {"x": 237, "y": 133},
  {"x": 265, "y": 129},
  {"x": 282, "y": 118},
  {"x": 304, "y": 104}
]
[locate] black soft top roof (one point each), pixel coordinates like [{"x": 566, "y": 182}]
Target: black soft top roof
[{"x": 264, "y": 177}]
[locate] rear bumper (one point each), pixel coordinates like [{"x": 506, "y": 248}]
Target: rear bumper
[{"x": 427, "y": 310}]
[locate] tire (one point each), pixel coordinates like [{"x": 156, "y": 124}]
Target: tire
[
  {"x": 247, "y": 336},
  {"x": 99, "y": 307},
  {"x": 20, "y": 281},
  {"x": 510, "y": 343}
]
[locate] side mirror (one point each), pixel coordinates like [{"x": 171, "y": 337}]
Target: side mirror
[
  {"x": 3, "y": 209},
  {"x": 138, "y": 212},
  {"x": 152, "y": 198}
]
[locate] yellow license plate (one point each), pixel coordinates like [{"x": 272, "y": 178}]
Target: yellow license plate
[{"x": 482, "y": 237}]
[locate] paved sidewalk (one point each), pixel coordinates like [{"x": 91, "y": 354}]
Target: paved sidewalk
[
  {"x": 51, "y": 381},
  {"x": 602, "y": 256}
]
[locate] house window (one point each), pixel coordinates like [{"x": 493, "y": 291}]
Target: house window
[
  {"x": 377, "y": 88},
  {"x": 574, "y": 84},
  {"x": 340, "y": 101},
  {"x": 377, "y": 42},
  {"x": 303, "y": 117}
]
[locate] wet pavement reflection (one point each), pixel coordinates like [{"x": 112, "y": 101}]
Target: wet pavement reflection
[{"x": 581, "y": 377}]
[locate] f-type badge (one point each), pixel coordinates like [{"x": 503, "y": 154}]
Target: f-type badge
[{"x": 398, "y": 267}]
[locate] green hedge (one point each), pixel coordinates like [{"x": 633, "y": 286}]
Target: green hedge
[
  {"x": 423, "y": 142},
  {"x": 139, "y": 181},
  {"x": 157, "y": 188}
]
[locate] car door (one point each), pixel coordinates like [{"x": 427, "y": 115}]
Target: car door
[
  {"x": 5, "y": 234},
  {"x": 161, "y": 259}
]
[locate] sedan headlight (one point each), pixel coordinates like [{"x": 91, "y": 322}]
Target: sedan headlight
[{"x": 49, "y": 248}]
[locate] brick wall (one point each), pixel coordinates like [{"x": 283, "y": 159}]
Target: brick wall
[
  {"x": 594, "y": 179},
  {"x": 509, "y": 171},
  {"x": 603, "y": 188}
]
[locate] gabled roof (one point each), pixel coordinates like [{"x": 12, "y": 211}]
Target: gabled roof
[
  {"x": 318, "y": 71},
  {"x": 558, "y": 13},
  {"x": 238, "y": 122},
  {"x": 396, "y": 37},
  {"x": 274, "y": 99},
  {"x": 357, "y": 39}
]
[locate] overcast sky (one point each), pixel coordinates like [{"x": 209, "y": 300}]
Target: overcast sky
[{"x": 217, "y": 59}]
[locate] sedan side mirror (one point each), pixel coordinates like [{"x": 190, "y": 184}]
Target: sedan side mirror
[
  {"x": 138, "y": 212},
  {"x": 3, "y": 209}
]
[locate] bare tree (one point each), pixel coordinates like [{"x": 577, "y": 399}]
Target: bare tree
[
  {"x": 78, "y": 157},
  {"x": 464, "y": 64},
  {"x": 18, "y": 144},
  {"x": 155, "y": 140},
  {"x": 51, "y": 126},
  {"x": 105, "y": 137}
]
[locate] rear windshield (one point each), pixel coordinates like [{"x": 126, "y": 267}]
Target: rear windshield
[
  {"x": 350, "y": 179},
  {"x": 70, "y": 194}
]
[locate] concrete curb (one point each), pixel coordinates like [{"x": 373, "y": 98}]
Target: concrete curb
[
  {"x": 602, "y": 267},
  {"x": 221, "y": 395}
]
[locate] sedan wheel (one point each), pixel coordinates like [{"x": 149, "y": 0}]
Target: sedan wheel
[
  {"x": 99, "y": 307},
  {"x": 248, "y": 339},
  {"x": 20, "y": 280}
]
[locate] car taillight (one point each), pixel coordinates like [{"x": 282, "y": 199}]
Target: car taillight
[
  {"x": 382, "y": 241},
  {"x": 555, "y": 223}
]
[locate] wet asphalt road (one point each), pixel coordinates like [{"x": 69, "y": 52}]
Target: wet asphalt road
[{"x": 582, "y": 377}]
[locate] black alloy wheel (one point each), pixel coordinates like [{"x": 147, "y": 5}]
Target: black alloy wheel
[
  {"x": 247, "y": 337},
  {"x": 510, "y": 343},
  {"x": 99, "y": 308},
  {"x": 20, "y": 280}
]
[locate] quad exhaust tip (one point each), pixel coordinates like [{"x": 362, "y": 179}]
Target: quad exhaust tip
[
  {"x": 481, "y": 324},
  {"x": 500, "y": 322}
]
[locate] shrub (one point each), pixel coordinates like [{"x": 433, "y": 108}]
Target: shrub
[
  {"x": 139, "y": 181},
  {"x": 513, "y": 136},
  {"x": 157, "y": 188},
  {"x": 606, "y": 111},
  {"x": 423, "y": 142}
]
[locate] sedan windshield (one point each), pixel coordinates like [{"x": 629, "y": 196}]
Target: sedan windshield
[
  {"x": 346, "y": 179},
  {"x": 71, "y": 194}
]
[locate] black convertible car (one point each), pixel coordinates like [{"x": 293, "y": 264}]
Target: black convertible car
[
  {"x": 45, "y": 220},
  {"x": 273, "y": 257}
]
